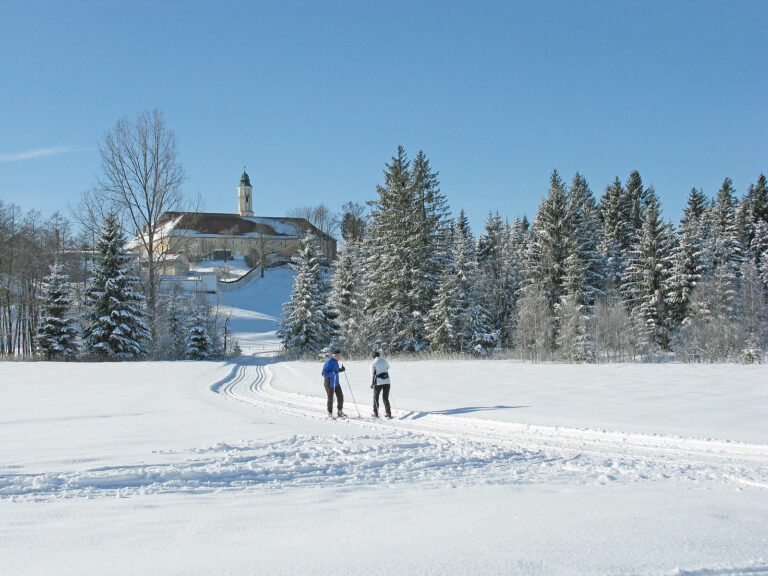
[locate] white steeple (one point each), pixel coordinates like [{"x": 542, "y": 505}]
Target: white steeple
[{"x": 244, "y": 195}]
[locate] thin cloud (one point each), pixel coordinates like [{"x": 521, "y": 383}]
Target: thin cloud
[{"x": 41, "y": 152}]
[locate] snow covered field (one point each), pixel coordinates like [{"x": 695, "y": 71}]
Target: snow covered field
[{"x": 489, "y": 467}]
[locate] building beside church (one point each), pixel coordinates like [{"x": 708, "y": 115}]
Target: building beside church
[{"x": 204, "y": 235}]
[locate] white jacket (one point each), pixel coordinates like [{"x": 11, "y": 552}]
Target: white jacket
[{"x": 379, "y": 366}]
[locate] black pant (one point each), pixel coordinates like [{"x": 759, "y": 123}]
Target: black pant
[
  {"x": 376, "y": 391},
  {"x": 339, "y": 396}
]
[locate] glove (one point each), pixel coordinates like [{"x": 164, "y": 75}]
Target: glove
[{"x": 342, "y": 369}]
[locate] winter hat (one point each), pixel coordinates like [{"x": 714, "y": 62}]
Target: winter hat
[
  {"x": 336, "y": 353},
  {"x": 376, "y": 354}
]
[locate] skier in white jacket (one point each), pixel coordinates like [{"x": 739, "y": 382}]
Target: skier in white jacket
[{"x": 380, "y": 383}]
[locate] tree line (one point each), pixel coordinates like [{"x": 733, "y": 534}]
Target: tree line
[{"x": 588, "y": 279}]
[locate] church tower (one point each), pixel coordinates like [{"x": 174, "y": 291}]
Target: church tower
[{"x": 244, "y": 196}]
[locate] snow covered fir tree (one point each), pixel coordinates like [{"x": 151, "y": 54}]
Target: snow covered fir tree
[
  {"x": 114, "y": 326},
  {"x": 57, "y": 333},
  {"x": 307, "y": 324},
  {"x": 587, "y": 281},
  {"x": 199, "y": 345}
]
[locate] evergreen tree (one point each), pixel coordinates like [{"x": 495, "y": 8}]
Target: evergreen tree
[
  {"x": 388, "y": 279},
  {"x": 515, "y": 254},
  {"x": 56, "y": 333},
  {"x": 496, "y": 281},
  {"x": 199, "y": 343},
  {"x": 724, "y": 247},
  {"x": 585, "y": 267},
  {"x": 689, "y": 259},
  {"x": 442, "y": 317},
  {"x": 723, "y": 250},
  {"x": 550, "y": 239},
  {"x": 616, "y": 235},
  {"x": 637, "y": 201},
  {"x": 647, "y": 280},
  {"x": 114, "y": 322},
  {"x": 347, "y": 298},
  {"x": 176, "y": 324},
  {"x": 755, "y": 209},
  {"x": 306, "y": 325},
  {"x": 473, "y": 330},
  {"x": 430, "y": 233},
  {"x": 406, "y": 252},
  {"x": 759, "y": 248}
]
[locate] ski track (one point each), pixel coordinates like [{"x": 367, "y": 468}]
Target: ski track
[{"x": 433, "y": 450}]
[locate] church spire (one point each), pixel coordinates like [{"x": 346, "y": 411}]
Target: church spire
[
  {"x": 244, "y": 196},
  {"x": 244, "y": 179}
]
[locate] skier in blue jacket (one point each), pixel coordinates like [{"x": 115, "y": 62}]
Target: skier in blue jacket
[{"x": 331, "y": 371}]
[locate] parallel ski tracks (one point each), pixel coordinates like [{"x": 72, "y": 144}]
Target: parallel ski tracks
[{"x": 742, "y": 464}]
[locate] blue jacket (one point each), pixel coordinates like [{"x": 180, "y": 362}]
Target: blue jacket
[{"x": 331, "y": 370}]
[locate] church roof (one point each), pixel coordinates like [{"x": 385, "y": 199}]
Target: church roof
[
  {"x": 244, "y": 179},
  {"x": 215, "y": 224}
]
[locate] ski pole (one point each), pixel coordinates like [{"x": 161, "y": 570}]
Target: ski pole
[
  {"x": 353, "y": 394},
  {"x": 392, "y": 401}
]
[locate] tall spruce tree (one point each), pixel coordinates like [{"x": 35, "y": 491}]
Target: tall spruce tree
[
  {"x": 755, "y": 209},
  {"x": 647, "y": 280},
  {"x": 114, "y": 321},
  {"x": 347, "y": 298},
  {"x": 585, "y": 266},
  {"x": 406, "y": 251},
  {"x": 495, "y": 281},
  {"x": 516, "y": 252},
  {"x": 759, "y": 248},
  {"x": 689, "y": 259},
  {"x": 441, "y": 320},
  {"x": 616, "y": 235},
  {"x": 56, "y": 333},
  {"x": 430, "y": 233},
  {"x": 550, "y": 234},
  {"x": 637, "y": 202},
  {"x": 549, "y": 248},
  {"x": 306, "y": 325},
  {"x": 473, "y": 329},
  {"x": 724, "y": 245}
]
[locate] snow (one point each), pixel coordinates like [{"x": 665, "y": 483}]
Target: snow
[
  {"x": 489, "y": 467},
  {"x": 281, "y": 226},
  {"x": 233, "y": 268}
]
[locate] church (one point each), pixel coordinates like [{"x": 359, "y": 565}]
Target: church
[{"x": 204, "y": 235}]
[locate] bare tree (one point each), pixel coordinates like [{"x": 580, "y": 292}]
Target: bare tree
[
  {"x": 319, "y": 216},
  {"x": 142, "y": 176},
  {"x": 535, "y": 326},
  {"x": 353, "y": 222},
  {"x": 28, "y": 246},
  {"x": 257, "y": 256}
]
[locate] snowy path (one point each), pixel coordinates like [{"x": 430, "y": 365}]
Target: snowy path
[{"x": 463, "y": 448}]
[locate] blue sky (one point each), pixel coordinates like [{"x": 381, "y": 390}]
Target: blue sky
[{"x": 315, "y": 97}]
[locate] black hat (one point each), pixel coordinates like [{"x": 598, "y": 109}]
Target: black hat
[
  {"x": 376, "y": 354},
  {"x": 335, "y": 352}
]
